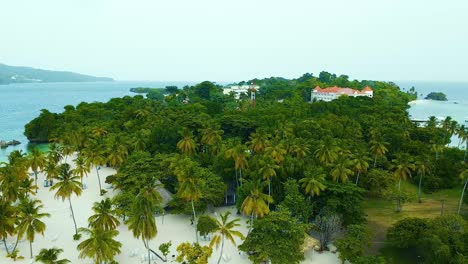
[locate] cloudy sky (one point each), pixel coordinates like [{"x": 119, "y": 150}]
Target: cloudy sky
[{"x": 221, "y": 40}]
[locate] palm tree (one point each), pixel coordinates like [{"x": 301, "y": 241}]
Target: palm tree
[
  {"x": 10, "y": 182},
  {"x": 211, "y": 136},
  {"x": 142, "y": 222},
  {"x": 55, "y": 153},
  {"x": 461, "y": 131},
  {"x": 82, "y": 167},
  {"x": 95, "y": 156},
  {"x": 327, "y": 151},
  {"x": 225, "y": 229},
  {"x": 98, "y": 132},
  {"x": 50, "y": 256},
  {"x": 67, "y": 184},
  {"x": 29, "y": 221},
  {"x": 378, "y": 148},
  {"x": 26, "y": 188},
  {"x": 360, "y": 164},
  {"x": 187, "y": 144},
  {"x": 277, "y": 152},
  {"x": 256, "y": 202},
  {"x": 239, "y": 154},
  {"x": 104, "y": 217},
  {"x": 189, "y": 184},
  {"x": 259, "y": 140},
  {"x": 7, "y": 221},
  {"x": 402, "y": 167},
  {"x": 422, "y": 168},
  {"x": 268, "y": 170},
  {"x": 100, "y": 246},
  {"x": 314, "y": 181},
  {"x": 342, "y": 169},
  {"x": 37, "y": 161},
  {"x": 116, "y": 153},
  {"x": 51, "y": 169},
  {"x": 464, "y": 177}
]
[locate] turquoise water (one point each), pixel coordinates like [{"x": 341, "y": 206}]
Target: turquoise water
[
  {"x": 456, "y": 106},
  {"x": 20, "y": 103}
]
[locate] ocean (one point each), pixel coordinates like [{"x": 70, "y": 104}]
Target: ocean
[{"x": 20, "y": 103}]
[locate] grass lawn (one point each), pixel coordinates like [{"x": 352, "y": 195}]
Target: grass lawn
[{"x": 381, "y": 215}]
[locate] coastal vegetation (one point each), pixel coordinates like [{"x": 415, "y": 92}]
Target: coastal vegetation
[
  {"x": 438, "y": 96},
  {"x": 352, "y": 167},
  {"x": 15, "y": 74}
]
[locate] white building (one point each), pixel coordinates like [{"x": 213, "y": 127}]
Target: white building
[
  {"x": 331, "y": 93},
  {"x": 240, "y": 89}
]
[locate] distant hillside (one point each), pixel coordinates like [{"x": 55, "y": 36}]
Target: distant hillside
[{"x": 13, "y": 74}]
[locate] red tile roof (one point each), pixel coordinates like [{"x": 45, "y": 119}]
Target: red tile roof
[{"x": 339, "y": 90}]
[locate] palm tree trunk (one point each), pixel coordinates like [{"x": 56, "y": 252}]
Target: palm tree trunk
[
  {"x": 30, "y": 248},
  {"x": 6, "y": 247},
  {"x": 16, "y": 243},
  {"x": 99, "y": 180},
  {"x": 466, "y": 151},
  {"x": 419, "y": 187},
  {"x": 73, "y": 215},
  {"x": 398, "y": 198},
  {"x": 462, "y": 194},
  {"x": 240, "y": 177},
  {"x": 195, "y": 221},
  {"x": 237, "y": 181},
  {"x": 357, "y": 178},
  {"x": 375, "y": 161},
  {"x": 221, "y": 253},
  {"x": 35, "y": 179}
]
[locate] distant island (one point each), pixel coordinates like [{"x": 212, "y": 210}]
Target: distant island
[
  {"x": 16, "y": 74},
  {"x": 436, "y": 96}
]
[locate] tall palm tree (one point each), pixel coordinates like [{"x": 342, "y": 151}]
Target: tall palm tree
[
  {"x": 26, "y": 188},
  {"x": 402, "y": 167},
  {"x": 55, "y": 153},
  {"x": 51, "y": 169},
  {"x": 37, "y": 161},
  {"x": 341, "y": 171},
  {"x": 100, "y": 246},
  {"x": 461, "y": 131},
  {"x": 211, "y": 136},
  {"x": 225, "y": 230},
  {"x": 327, "y": 151},
  {"x": 268, "y": 170},
  {"x": 29, "y": 221},
  {"x": 239, "y": 154},
  {"x": 259, "y": 140},
  {"x": 142, "y": 222},
  {"x": 7, "y": 221},
  {"x": 104, "y": 217},
  {"x": 314, "y": 181},
  {"x": 256, "y": 202},
  {"x": 464, "y": 177},
  {"x": 360, "y": 164},
  {"x": 277, "y": 152},
  {"x": 117, "y": 152},
  {"x": 82, "y": 167},
  {"x": 378, "y": 148},
  {"x": 189, "y": 184},
  {"x": 66, "y": 185},
  {"x": 94, "y": 154},
  {"x": 50, "y": 256},
  {"x": 10, "y": 182},
  {"x": 187, "y": 144},
  {"x": 423, "y": 167}
]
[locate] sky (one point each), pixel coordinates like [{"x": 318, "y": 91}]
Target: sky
[{"x": 222, "y": 40}]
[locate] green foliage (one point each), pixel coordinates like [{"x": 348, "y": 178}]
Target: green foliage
[
  {"x": 277, "y": 237},
  {"x": 206, "y": 225},
  {"x": 193, "y": 253},
  {"x": 438, "y": 96},
  {"x": 164, "y": 248},
  {"x": 407, "y": 232},
  {"x": 353, "y": 244},
  {"x": 295, "y": 202}
]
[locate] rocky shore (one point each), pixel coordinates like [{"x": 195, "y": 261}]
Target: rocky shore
[{"x": 5, "y": 144}]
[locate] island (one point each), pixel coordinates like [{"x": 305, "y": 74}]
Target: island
[
  {"x": 15, "y": 74},
  {"x": 438, "y": 96}
]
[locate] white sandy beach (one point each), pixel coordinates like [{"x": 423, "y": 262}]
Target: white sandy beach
[{"x": 175, "y": 228}]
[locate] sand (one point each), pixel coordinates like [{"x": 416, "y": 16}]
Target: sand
[{"x": 175, "y": 228}]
